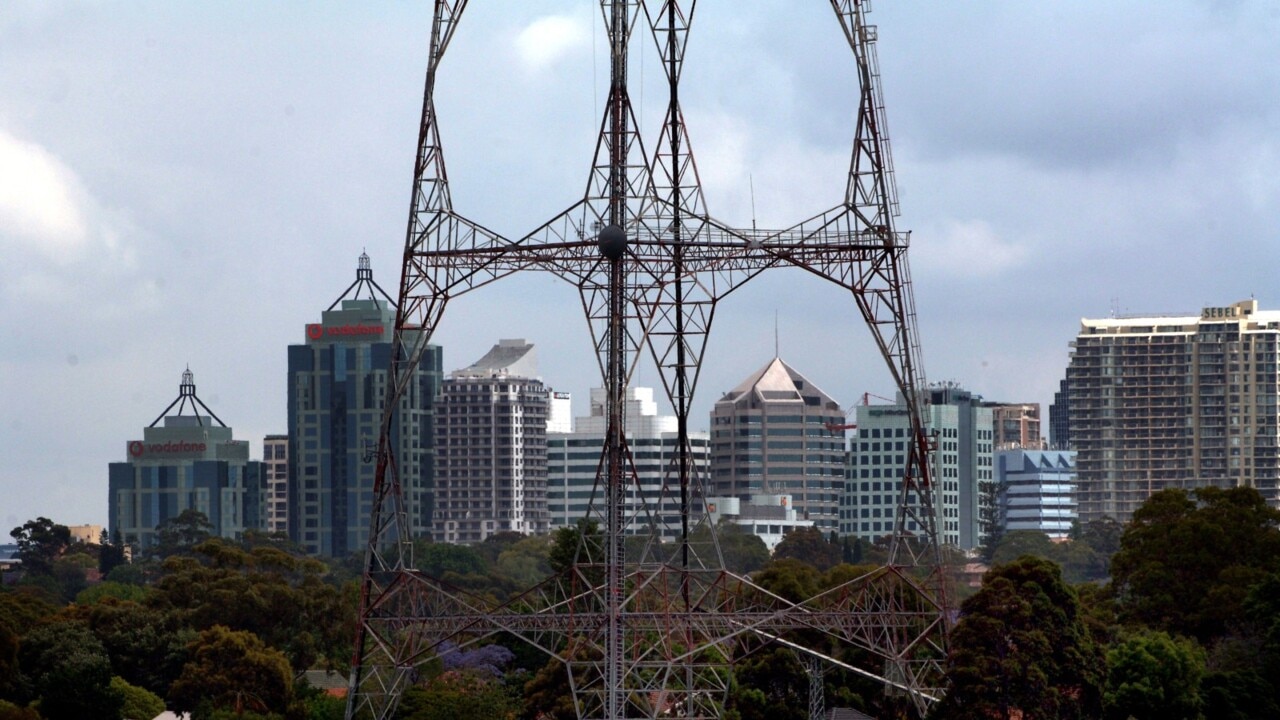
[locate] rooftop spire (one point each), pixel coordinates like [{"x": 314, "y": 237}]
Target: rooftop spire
[
  {"x": 187, "y": 395},
  {"x": 365, "y": 281}
]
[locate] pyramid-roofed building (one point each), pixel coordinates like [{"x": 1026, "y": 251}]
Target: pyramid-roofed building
[{"x": 778, "y": 433}]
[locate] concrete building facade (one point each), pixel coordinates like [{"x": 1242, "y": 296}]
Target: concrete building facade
[
  {"x": 1037, "y": 491},
  {"x": 190, "y": 462},
  {"x": 653, "y": 500},
  {"x": 1174, "y": 401},
  {"x": 769, "y": 517},
  {"x": 491, "y": 437},
  {"x": 275, "y": 455},
  {"x": 776, "y": 434},
  {"x": 337, "y": 389},
  {"x": 1016, "y": 425}
]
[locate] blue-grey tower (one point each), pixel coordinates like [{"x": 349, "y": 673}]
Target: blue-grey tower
[
  {"x": 337, "y": 390},
  {"x": 187, "y": 460}
]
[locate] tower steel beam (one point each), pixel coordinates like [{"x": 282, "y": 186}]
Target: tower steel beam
[{"x": 654, "y": 632}]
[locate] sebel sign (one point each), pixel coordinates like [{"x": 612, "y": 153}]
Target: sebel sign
[
  {"x": 1220, "y": 313},
  {"x": 359, "y": 331}
]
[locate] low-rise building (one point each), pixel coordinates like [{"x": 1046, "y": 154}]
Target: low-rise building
[
  {"x": 768, "y": 517},
  {"x": 1037, "y": 491}
]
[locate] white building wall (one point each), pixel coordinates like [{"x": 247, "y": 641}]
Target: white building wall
[{"x": 573, "y": 461}]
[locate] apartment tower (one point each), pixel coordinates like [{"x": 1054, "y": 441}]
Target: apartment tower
[
  {"x": 491, "y": 440},
  {"x": 1173, "y": 402}
]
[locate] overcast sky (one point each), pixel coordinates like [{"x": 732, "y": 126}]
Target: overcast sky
[{"x": 191, "y": 183}]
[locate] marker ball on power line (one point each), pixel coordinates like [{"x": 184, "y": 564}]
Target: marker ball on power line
[{"x": 613, "y": 242}]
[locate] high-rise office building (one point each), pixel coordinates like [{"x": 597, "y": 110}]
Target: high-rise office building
[
  {"x": 573, "y": 461},
  {"x": 275, "y": 455},
  {"x": 1174, "y": 401},
  {"x": 337, "y": 389},
  {"x": 1037, "y": 491},
  {"x": 190, "y": 462},
  {"x": 491, "y": 438},
  {"x": 961, "y": 468},
  {"x": 776, "y": 434}
]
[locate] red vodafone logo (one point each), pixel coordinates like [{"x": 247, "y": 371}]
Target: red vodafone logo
[
  {"x": 138, "y": 448},
  {"x": 319, "y": 332}
]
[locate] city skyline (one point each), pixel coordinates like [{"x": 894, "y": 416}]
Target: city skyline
[{"x": 192, "y": 185}]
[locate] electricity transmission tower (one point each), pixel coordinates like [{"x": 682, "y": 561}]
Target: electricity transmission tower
[{"x": 652, "y": 631}]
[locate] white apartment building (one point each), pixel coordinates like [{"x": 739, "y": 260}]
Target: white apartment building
[
  {"x": 652, "y": 498},
  {"x": 491, "y": 447}
]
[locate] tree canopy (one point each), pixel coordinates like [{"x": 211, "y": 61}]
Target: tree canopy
[
  {"x": 231, "y": 670},
  {"x": 809, "y": 546},
  {"x": 1153, "y": 676},
  {"x": 1021, "y": 649},
  {"x": 1187, "y": 560},
  {"x": 40, "y": 543},
  {"x": 69, "y": 670}
]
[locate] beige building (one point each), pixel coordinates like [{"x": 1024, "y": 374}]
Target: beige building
[
  {"x": 1016, "y": 426},
  {"x": 777, "y": 433},
  {"x": 87, "y": 534},
  {"x": 275, "y": 455},
  {"x": 1184, "y": 401}
]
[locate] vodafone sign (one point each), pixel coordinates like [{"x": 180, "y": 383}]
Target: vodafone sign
[
  {"x": 317, "y": 331},
  {"x": 138, "y": 448}
]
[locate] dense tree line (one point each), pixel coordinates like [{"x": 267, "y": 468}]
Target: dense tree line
[
  {"x": 196, "y": 624},
  {"x": 1176, "y": 615}
]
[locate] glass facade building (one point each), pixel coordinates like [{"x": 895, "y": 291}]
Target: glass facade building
[
  {"x": 188, "y": 462},
  {"x": 337, "y": 389}
]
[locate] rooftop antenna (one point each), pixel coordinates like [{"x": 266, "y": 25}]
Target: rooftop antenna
[
  {"x": 775, "y": 333},
  {"x": 752, "y": 184}
]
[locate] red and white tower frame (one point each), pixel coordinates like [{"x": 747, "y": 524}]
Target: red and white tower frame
[{"x": 653, "y": 633}]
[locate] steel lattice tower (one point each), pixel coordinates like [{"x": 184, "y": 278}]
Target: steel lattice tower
[{"x": 655, "y": 635}]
